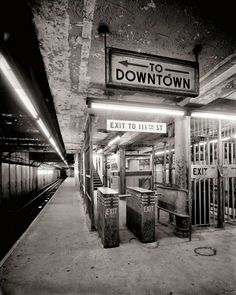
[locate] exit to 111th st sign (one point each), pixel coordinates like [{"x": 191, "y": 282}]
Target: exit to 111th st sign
[
  {"x": 136, "y": 126},
  {"x": 139, "y": 71}
]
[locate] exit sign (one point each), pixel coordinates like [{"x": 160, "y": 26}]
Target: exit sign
[
  {"x": 203, "y": 171},
  {"x": 136, "y": 126}
]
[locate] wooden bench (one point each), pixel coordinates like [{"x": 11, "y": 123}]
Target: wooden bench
[{"x": 174, "y": 201}]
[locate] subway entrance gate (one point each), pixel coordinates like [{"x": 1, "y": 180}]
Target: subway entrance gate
[
  {"x": 213, "y": 171},
  {"x": 212, "y": 167}
]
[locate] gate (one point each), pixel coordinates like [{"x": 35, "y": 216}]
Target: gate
[
  {"x": 213, "y": 171},
  {"x": 86, "y": 172},
  {"x": 229, "y": 173}
]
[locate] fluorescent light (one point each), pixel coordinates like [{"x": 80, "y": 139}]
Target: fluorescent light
[
  {"x": 139, "y": 109},
  {"x": 113, "y": 140},
  {"x": 57, "y": 150},
  {"x": 43, "y": 127},
  {"x": 213, "y": 116},
  {"x": 52, "y": 142},
  {"x": 225, "y": 138},
  {"x": 196, "y": 144},
  {"x": 10, "y": 76},
  {"x": 15, "y": 84},
  {"x": 214, "y": 141},
  {"x": 162, "y": 152}
]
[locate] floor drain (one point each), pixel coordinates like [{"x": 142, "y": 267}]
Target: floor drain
[{"x": 205, "y": 251}]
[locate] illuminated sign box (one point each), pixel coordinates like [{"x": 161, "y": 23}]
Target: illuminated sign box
[
  {"x": 139, "y": 71},
  {"x": 136, "y": 126}
]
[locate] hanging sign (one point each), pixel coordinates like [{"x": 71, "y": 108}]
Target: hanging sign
[
  {"x": 136, "y": 126},
  {"x": 138, "y": 71},
  {"x": 204, "y": 171}
]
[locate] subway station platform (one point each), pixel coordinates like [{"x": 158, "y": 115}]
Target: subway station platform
[{"x": 58, "y": 255}]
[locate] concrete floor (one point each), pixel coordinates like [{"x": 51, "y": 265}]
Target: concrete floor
[{"x": 58, "y": 255}]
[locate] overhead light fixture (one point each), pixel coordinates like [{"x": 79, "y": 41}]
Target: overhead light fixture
[
  {"x": 57, "y": 150},
  {"x": 225, "y": 138},
  {"x": 22, "y": 95},
  {"x": 13, "y": 81},
  {"x": 213, "y": 116},
  {"x": 159, "y": 153},
  {"x": 212, "y": 141},
  {"x": 52, "y": 142},
  {"x": 99, "y": 151},
  {"x": 136, "y": 109},
  {"x": 114, "y": 140},
  {"x": 43, "y": 128},
  {"x": 103, "y": 29}
]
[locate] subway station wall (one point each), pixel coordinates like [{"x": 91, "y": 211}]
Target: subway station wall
[{"x": 19, "y": 177}]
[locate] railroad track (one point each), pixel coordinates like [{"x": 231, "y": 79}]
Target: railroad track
[{"x": 14, "y": 222}]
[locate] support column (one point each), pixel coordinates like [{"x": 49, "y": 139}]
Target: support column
[
  {"x": 91, "y": 170},
  {"x": 152, "y": 166},
  {"x": 104, "y": 170},
  {"x": 164, "y": 166},
  {"x": 170, "y": 147},
  {"x": 182, "y": 149},
  {"x": 182, "y": 163},
  {"x": 171, "y": 216},
  {"x": 170, "y": 163},
  {"x": 81, "y": 172},
  {"x": 84, "y": 172},
  {"x": 76, "y": 169},
  {"x": 122, "y": 179}
]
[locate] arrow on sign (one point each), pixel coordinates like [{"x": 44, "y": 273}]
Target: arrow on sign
[{"x": 126, "y": 64}]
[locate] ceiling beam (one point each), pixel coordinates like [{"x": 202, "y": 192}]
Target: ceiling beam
[
  {"x": 219, "y": 82},
  {"x": 44, "y": 157}
]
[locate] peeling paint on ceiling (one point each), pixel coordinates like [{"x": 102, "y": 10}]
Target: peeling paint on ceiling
[{"x": 73, "y": 51}]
